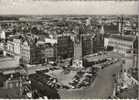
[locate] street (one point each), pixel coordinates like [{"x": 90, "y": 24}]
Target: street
[
  {"x": 102, "y": 88},
  {"x": 8, "y": 62}
]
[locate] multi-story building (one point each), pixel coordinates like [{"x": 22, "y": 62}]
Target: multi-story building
[
  {"x": 79, "y": 46},
  {"x": 49, "y": 45},
  {"x": 2, "y": 35},
  {"x": 87, "y": 44},
  {"x": 111, "y": 28},
  {"x": 31, "y": 53},
  {"x": 13, "y": 45},
  {"x": 123, "y": 43},
  {"x": 17, "y": 45},
  {"x": 25, "y": 52},
  {"x": 78, "y": 50},
  {"x": 64, "y": 46},
  {"x": 98, "y": 40},
  {"x": 49, "y": 52},
  {"x": 10, "y": 47},
  {"x": 12, "y": 83},
  {"x": 2, "y": 46}
]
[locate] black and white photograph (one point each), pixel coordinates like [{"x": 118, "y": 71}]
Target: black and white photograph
[{"x": 69, "y": 49}]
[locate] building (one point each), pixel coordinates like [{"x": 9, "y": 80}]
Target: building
[
  {"x": 17, "y": 46},
  {"x": 98, "y": 41},
  {"x": 3, "y": 44},
  {"x": 51, "y": 40},
  {"x": 87, "y": 44},
  {"x": 49, "y": 45},
  {"x": 12, "y": 83},
  {"x": 31, "y": 52},
  {"x": 13, "y": 45},
  {"x": 65, "y": 47},
  {"x": 25, "y": 52},
  {"x": 48, "y": 50},
  {"x": 10, "y": 47},
  {"x": 49, "y": 53},
  {"x": 78, "y": 46},
  {"x": 37, "y": 83},
  {"x": 123, "y": 43},
  {"x": 84, "y": 44},
  {"x": 77, "y": 59},
  {"x": 14, "y": 86},
  {"x": 2, "y": 35},
  {"x": 2, "y": 47},
  {"x": 106, "y": 42},
  {"x": 112, "y": 28}
]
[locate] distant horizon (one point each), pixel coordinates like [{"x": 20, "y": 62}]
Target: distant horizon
[{"x": 69, "y": 15}]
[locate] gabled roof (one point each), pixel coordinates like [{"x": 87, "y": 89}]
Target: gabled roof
[{"x": 30, "y": 40}]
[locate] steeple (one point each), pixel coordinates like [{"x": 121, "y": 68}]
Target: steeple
[{"x": 102, "y": 30}]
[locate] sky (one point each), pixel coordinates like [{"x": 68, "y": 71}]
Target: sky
[{"x": 44, "y": 7}]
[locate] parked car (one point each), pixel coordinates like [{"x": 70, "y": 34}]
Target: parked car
[
  {"x": 78, "y": 86},
  {"x": 88, "y": 76},
  {"x": 83, "y": 84},
  {"x": 86, "y": 82},
  {"x": 97, "y": 66},
  {"x": 66, "y": 87},
  {"x": 109, "y": 58},
  {"x": 73, "y": 83}
]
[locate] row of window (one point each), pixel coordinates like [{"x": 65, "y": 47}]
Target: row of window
[
  {"x": 121, "y": 48},
  {"x": 121, "y": 43}
]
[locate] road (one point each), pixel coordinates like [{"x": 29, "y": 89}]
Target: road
[
  {"x": 8, "y": 62},
  {"x": 102, "y": 87}
]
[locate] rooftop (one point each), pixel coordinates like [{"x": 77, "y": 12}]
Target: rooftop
[
  {"x": 9, "y": 93},
  {"x": 111, "y": 28},
  {"x": 123, "y": 37}
]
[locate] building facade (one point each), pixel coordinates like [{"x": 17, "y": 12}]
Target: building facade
[
  {"x": 10, "y": 47},
  {"x": 49, "y": 52},
  {"x": 2, "y": 35},
  {"x": 31, "y": 53},
  {"x": 122, "y": 44},
  {"x": 25, "y": 52},
  {"x": 13, "y": 45},
  {"x": 17, "y": 46},
  {"x": 65, "y": 47},
  {"x": 87, "y": 44}
]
